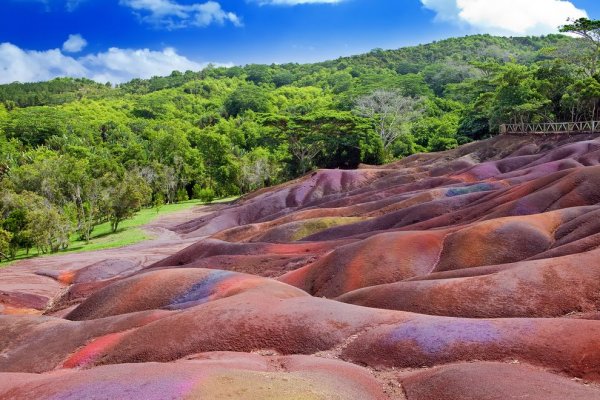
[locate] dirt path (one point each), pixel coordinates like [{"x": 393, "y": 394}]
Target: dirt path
[{"x": 34, "y": 282}]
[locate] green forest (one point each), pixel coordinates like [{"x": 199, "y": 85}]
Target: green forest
[{"x": 75, "y": 154}]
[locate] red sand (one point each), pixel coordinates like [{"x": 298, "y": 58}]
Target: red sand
[{"x": 468, "y": 274}]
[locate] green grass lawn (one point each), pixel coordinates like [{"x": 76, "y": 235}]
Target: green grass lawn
[{"x": 129, "y": 231}]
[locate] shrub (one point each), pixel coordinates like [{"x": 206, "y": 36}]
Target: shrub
[
  {"x": 159, "y": 201},
  {"x": 182, "y": 195},
  {"x": 442, "y": 144},
  {"x": 206, "y": 195}
]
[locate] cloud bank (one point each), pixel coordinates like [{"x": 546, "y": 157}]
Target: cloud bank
[
  {"x": 115, "y": 65},
  {"x": 171, "y": 15},
  {"x": 513, "y": 17}
]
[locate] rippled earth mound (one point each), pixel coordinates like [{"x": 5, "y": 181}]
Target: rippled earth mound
[{"x": 468, "y": 274}]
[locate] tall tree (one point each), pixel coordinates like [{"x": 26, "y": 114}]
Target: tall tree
[
  {"x": 5, "y": 238},
  {"x": 390, "y": 111},
  {"x": 518, "y": 98},
  {"x": 589, "y": 31},
  {"x": 127, "y": 197}
]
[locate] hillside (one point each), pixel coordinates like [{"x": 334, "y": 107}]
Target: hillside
[
  {"x": 523, "y": 50},
  {"x": 91, "y": 154},
  {"x": 341, "y": 284}
]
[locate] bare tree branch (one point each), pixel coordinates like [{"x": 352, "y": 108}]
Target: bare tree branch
[{"x": 390, "y": 112}]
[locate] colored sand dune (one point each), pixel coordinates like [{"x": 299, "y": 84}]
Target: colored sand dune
[{"x": 468, "y": 274}]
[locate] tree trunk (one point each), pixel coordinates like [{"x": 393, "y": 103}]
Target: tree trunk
[{"x": 115, "y": 225}]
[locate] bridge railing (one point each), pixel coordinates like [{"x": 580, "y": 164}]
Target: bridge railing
[{"x": 550, "y": 128}]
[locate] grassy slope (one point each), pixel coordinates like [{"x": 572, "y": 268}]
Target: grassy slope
[{"x": 129, "y": 232}]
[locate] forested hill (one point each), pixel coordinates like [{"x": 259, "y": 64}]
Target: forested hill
[
  {"x": 423, "y": 59},
  {"x": 91, "y": 152},
  {"x": 463, "y": 49}
]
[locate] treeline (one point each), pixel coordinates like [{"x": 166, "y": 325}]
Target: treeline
[
  {"x": 74, "y": 153},
  {"x": 56, "y": 91}
]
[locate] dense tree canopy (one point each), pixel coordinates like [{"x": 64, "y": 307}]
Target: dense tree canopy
[{"x": 75, "y": 153}]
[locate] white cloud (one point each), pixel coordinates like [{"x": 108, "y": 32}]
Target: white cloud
[
  {"x": 515, "y": 17},
  {"x": 120, "y": 65},
  {"x": 29, "y": 66},
  {"x": 295, "y": 2},
  {"x": 74, "y": 44},
  {"x": 171, "y": 15},
  {"x": 115, "y": 65}
]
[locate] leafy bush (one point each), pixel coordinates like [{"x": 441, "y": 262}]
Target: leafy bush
[
  {"x": 206, "y": 195},
  {"x": 442, "y": 144},
  {"x": 182, "y": 195}
]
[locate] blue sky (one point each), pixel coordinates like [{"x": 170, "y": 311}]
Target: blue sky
[{"x": 115, "y": 40}]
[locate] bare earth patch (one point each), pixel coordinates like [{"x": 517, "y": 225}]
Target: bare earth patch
[{"x": 468, "y": 274}]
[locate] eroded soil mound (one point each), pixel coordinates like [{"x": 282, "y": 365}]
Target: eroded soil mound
[{"x": 468, "y": 274}]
